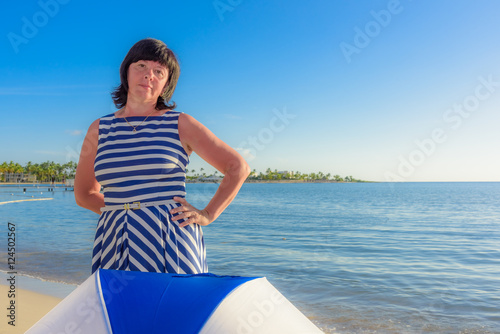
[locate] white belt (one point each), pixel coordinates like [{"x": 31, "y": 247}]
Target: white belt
[{"x": 135, "y": 205}]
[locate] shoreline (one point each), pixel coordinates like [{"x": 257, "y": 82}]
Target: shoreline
[
  {"x": 33, "y": 298},
  {"x": 62, "y": 185},
  {"x": 56, "y": 185},
  {"x": 282, "y": 181},
  {"x": 28, "y": 308},
  {"x": 39, "y": 285}
]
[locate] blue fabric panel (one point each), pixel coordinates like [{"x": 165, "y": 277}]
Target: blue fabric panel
[{"x": 142, "y": 302}]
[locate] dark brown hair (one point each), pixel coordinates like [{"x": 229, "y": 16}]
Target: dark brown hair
[{"x": 149, "y": 49}]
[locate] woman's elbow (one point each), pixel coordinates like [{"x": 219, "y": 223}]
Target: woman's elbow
[
  {"x": 242, "y": 169},
  {"x": 238, "y": 168},
  {"x": 82, "y": 194},
  {"x": 79, "y": 198},
  {"x": 245, "y": 169}
]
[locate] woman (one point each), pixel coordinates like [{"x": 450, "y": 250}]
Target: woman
[{"x": 139, "y": 156}]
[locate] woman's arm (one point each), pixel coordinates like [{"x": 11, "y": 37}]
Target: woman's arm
[
  {"x": 87, "y": 189},
  {"x": 195, "y": 137}
]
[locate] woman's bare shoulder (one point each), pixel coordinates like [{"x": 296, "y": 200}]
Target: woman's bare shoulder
[
  {"x": 190, "y": 121},
  {"x": 183, "y": 117},
  {"x": 95, "y": 124},
  {"x": 94, "y": 127}
]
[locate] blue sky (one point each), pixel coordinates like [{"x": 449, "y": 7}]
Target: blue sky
[{"x": 380, "y": 90}]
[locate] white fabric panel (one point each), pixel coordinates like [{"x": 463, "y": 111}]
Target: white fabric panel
[
  {"x": 257, "y": 307},
  {"x": 80, "y": 312}
]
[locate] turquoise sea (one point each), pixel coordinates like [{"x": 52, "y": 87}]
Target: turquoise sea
[{"x": 355, "y": 258}]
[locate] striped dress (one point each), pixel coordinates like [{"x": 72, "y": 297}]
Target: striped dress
[{"x": 144, "y": 166}]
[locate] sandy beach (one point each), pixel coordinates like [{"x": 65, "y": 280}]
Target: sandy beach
[{"x": 29, "y": 308}]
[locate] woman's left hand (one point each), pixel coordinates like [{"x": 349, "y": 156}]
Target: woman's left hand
[{"x": 189, "y": 212}]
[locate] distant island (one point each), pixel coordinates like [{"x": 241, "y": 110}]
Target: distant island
[
  {"x": 273, "y": 176},
  {"x": 50, "y": 171}
]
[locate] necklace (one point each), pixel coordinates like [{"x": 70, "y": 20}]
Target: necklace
[{"x": 134, "y": 128}]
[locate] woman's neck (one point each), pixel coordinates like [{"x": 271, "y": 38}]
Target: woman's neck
[{"x": 137, "y": 109}]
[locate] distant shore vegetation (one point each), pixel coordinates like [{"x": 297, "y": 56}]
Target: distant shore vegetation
[
  {"x": 273, "y": 176},
  {"x": 37, "y": 172},
  {"x": 50, "y": 170}
]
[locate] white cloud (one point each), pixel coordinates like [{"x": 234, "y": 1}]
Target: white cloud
[{"x": 245, "y": 153}]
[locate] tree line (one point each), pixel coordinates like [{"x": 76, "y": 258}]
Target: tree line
[
  {"x": 269, "y": 174},
  {"x": 297, "y": 175},
  {"x": 44, "y": 171}
]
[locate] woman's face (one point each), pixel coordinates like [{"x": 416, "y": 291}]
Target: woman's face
[{"x": 146, "y": 80}]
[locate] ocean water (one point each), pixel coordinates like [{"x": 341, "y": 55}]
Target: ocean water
[{"x": 355, "y": 258}]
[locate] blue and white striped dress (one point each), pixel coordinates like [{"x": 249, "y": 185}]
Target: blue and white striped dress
[{"x": 144, "y": 166}]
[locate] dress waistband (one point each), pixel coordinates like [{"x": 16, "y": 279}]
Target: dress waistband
[{"x": 135, "y": 205}]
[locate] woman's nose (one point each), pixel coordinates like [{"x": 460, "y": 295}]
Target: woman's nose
[{"x": 149, "y": 73}]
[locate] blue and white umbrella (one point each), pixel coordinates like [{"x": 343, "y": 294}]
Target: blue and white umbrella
[{"x": 114, "y": 301}]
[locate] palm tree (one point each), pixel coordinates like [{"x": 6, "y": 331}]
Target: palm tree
[
  {"x": 37, "y": 171},
  {"x": 27, "y": 168},
  {"x": 253, "y": 175},
  {"x": 10, "y": 167},
  {"x": 58, "y": 171},
  {"x": 269, "y": 174},
  {"x": 3, "y": 170},
  {"x": 18, "y": 169},
  {"x": 69, "y": 169}
]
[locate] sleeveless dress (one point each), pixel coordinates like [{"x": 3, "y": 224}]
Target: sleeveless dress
[{"x": 147, "y": 166}]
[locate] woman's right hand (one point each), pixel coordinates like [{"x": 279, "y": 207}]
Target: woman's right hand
[{"x": 190, "y": 213}]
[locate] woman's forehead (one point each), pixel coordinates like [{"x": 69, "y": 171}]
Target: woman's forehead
[{"x": 152, "y": 63}]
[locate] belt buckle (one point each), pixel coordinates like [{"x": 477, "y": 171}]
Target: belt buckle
[{"x": 138, "y": 205}]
